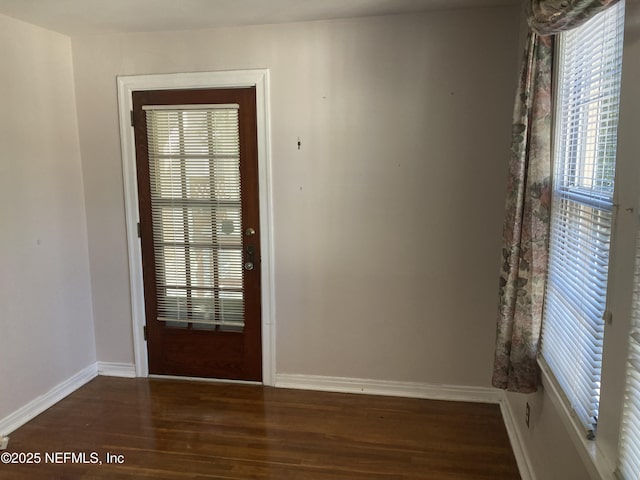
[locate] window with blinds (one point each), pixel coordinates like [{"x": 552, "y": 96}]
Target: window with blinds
[
  {"x": 588, "y": 84},
  {"x": 629, "y": 458},
  {"x": 194, "y": 169}
]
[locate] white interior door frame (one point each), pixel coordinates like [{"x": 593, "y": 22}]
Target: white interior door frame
[{"x": 224, "y": 79}]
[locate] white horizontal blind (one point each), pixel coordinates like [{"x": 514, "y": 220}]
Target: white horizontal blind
[
  {"x": 629, "y": 461},
  {"x": 194, "y": 168},
  {"x": 589, "y": 69}
]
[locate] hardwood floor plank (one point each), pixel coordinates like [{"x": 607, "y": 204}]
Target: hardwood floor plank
[{"x": 172, "y": 429}]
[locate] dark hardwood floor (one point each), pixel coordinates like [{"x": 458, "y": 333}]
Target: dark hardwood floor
[{"x": 170, "y": 429}]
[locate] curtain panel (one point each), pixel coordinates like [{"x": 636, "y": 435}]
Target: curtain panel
[{"x": 528, "y": 201}]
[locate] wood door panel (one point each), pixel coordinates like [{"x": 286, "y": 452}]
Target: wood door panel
[{"x": 226, "y": 360}]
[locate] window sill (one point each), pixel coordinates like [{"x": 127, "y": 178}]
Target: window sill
[{"x": 599, "y": 466}]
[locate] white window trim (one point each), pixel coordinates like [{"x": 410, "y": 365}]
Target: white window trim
[{"x": 240, "y": 78}]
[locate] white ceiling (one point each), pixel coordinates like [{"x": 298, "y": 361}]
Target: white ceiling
[{"x": 82, "y": 17}]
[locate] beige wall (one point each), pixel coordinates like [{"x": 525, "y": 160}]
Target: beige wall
[
  {"x": 387, "y": 220},
  {"x": 45, "y": 299}
]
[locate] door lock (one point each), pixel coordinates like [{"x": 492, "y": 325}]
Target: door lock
[{"x": 250, "y": 258}]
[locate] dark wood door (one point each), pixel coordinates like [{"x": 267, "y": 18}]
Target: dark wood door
[{"x": 197, "y": 174}]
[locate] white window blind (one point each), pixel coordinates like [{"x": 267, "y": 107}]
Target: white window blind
[
  {"x": 629, "y": 459},
  {"x": 194, "y": 169},
  {"x": 588, "y": 84}
]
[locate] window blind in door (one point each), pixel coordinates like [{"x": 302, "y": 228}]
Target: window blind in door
[{"x": 194, "y": 168}]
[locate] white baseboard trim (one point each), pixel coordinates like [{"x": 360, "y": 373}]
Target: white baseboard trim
[
  {"x": 112, "y": 369},
  {"x": 38, "y": 405},
  {"x": 389, "y": 388},
  {"x": 515, "y": 437}
]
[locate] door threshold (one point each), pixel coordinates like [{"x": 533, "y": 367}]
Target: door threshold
[{"x": 203, "y": 379}]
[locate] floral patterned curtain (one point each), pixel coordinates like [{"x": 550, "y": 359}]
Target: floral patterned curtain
[
  {"x": 528, "y": 204},
  {"x": 548, "y": 17}
]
